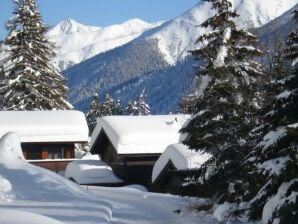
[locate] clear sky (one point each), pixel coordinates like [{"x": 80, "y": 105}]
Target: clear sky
[{"x": 101, "y": 12}]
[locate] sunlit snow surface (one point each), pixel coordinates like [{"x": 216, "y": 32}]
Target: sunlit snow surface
[{"x": 33, "y": 195}]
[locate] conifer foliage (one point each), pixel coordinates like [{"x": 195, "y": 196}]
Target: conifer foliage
[
  {"x": 30, "y": 81},
  {"x": 224, "y": 113},
  {"x": 275, "y": 157},
  {"x": 93, "y": 113},
  {"x": 139, "y": 106},
  {"x": 108, "y": 106}
]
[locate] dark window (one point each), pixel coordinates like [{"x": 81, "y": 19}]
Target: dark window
[{"x": 33, "y": 154}]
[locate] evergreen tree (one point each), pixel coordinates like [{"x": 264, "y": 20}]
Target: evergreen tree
[
  {"x": 274, "y": 160},
  {"x": 93, "y": 113},
  {"x": 131, "y": 108},
  {"x": 142, "y": 107},
  {"x": 224, "y": 114},
  {"x": 30, "y": 81},
  {"x": 118, "y": 109},
  {"x": 138, "y": 106},
  {"x": 108, "y": 106}
]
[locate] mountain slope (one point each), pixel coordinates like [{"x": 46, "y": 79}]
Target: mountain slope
[
  {"x": 178, "y": 36},
  {"x": 276, "y": 30},
  {"x": 77, "y": 42},
  {"x": 168, "y": 73}
]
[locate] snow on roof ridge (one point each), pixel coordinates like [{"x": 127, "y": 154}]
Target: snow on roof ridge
[
  {"x": 182, "y": 158},
  {"x": 45, "y": 126},
  {"x": 140, "y": 134}
]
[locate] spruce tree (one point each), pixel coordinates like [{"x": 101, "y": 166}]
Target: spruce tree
[
  {"x": 93, "y": 113},
  {"x": 108, "y": 106},
  {"x": 224, "y": 114},
  {"x": 138, "y": 107},
  {"x": 131, "y": 108},
  {"x": 30, "y": 81},
  {"x": 142, "y": 107},
  {"x": 274, "y": 160},
  {"x": 118, "y": 109}
]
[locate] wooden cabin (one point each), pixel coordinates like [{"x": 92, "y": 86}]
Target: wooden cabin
[
  {"x": 176, "y": 157},
  {"x": 47, "y": 137},
  {"x": 132, "y": 144}
]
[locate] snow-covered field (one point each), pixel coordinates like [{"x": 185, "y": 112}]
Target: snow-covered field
[{"x": 29, "y": 194}]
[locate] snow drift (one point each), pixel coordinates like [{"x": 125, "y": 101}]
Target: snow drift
[{"x": 91, "y": 172}]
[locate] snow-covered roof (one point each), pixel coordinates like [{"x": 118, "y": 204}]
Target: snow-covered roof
[
  {"x": 45, "y": 126},
  {"x": 140, "y": 134},
  {"x": 181, "y": 157}
]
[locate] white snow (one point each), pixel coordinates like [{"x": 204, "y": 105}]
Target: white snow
[
  {"x": 204, "y": 81},
  {"x": 182, "y": 158},
  {"x": 222, "y": 211},
  {"x": 295, "y": 125},
  {"x": 41, "y": 196},
  {"x": 140, "y": 134},
  {"x": 227, "y": 35},
  {"x": 278, "y": 200},
  {"x": 91, "y": 172},
  {"x": 45, "y": 126},
  {"x": 284, "y": 95},
  {"x": 273, "y": 166},
  {"x": 221, "y": 56},
  {"x": 87, "y": 156},
  {"x": 77, "y": 42},
  {"x": 272, "y": 137},
  {"x": 178, "y": 36},
  {"x": 5, "y": 189},
  {"x": 9, "y": 216}
]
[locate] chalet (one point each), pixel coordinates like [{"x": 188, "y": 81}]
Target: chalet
[
  {"x": 175, "y": 157},
  {"x": 132, "y": 144},
  {"x": 46, "y": 135}
]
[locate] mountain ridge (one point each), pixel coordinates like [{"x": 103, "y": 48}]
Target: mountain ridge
[{"x": 77, "y": 42}]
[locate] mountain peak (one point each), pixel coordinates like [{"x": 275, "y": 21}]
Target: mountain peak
[{"x": 68, "y": 26}]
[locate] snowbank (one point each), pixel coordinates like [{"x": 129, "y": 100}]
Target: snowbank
[
  {"x": 10, "y": 148},
  {"x": 44, "y": 197},
  {"x": 88, "y": 156},
  {"x": 33, "y": 189},
  {"x": 45, "y": 126},
  {"x": 91, "y": 172},
  {"x": 140, "y": 134},
  {"x": 181, "y": 157},
  {"x": 9, "y": 216}
]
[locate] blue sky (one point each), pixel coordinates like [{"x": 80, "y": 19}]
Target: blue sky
[{"x": 101, "y": 12}]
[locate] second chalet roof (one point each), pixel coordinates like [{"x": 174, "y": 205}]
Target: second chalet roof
[
  {"x": 45, "y": 126},
  {"x": 140, "y": 134}
]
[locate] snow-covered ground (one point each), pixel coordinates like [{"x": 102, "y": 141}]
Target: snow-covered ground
[{"x": 30, "y": 194}]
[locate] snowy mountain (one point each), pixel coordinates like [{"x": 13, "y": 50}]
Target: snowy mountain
[
  {"x": 277, "y": 29},
  {"x": 77, "y": 42},
  {"x": 158, "y": 60},
  {"x": 178, "y": 36}
]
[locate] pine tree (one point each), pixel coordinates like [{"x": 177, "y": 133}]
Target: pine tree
[
  {"x": 224, "y": 114},
  {"x": 30, "y": 81},
  {"x": 93, "y": 113},
  {"x": 131, "y": 108},
  {"x": 138, "y": 107},
  {"x": 108, "y": 106},
  {"x": 118, "y": 109},
  {"x": 143, "y": 107},
  {"x": 275, "y": 157}
]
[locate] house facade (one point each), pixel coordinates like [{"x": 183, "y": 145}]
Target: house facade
[
  {"x": 46, "y": 135},
  {"x": 132, "y": 144}
]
